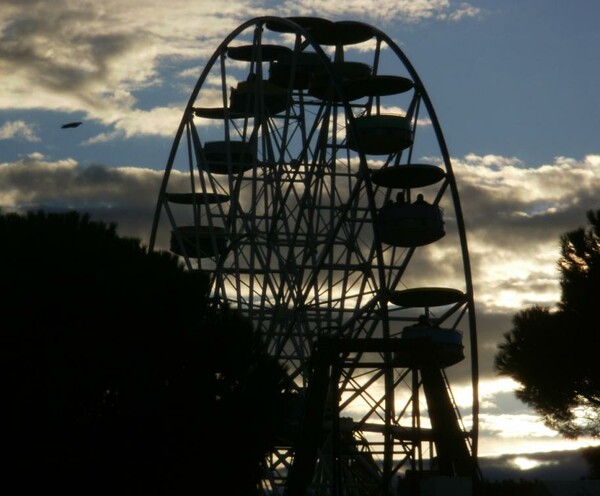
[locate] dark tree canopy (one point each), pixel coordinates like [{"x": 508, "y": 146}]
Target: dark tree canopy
[
  {"x": 591, "y": 454},
  {"x": 580, "y": 270},
  {"x": 553, "y": 353},
  {"x": 117, "y": 375}
]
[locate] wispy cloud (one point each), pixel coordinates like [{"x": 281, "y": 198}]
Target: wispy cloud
[
  {"x": 384, "y": 10},
  {"x": 125, "y": 195},
  {"x": 18, "y": 130},
  {"x": 514, "y": 214},
  {"x": 95, "y": 57}
]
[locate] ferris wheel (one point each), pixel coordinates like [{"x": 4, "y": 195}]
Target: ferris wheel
[{"x": 310, "y": 179}]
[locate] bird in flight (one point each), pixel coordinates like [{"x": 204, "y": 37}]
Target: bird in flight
[{"x": 71, "y": 124}]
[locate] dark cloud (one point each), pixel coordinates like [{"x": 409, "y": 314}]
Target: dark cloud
[
  {"x": 490, "y": 330},
  {"x": 35, "y": 182},
  {"x": 126, "y": 196},
  {"x": 537, "y": 282},
  {"x": 72, "y": 56},
  {"x": 519, "y": 207},
  {"x": 551, "y": 466}
]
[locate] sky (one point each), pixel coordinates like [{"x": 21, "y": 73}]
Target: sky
[{"x": 514, "y": 85}]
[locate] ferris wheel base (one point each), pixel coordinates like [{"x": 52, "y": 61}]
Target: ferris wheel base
[{"x": 453, "y": 459}]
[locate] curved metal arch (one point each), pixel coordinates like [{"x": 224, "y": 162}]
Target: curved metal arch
[
  {"x": 309, "y": 41},
  {"x": 460, "y": 223},
  {"x": 257, "y": 21}
]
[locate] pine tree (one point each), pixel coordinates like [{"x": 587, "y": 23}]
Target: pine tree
[{"x": 552, "y": 353}]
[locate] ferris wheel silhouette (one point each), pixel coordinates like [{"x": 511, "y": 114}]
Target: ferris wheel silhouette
[{"x": 297, "y": 180}]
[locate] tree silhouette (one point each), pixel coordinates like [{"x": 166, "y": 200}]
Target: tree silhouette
[
  {"x": 552, "y": 353},
  {"x": 118, "y": 375},
  {"x": 521, "y": 487},
  {"x": 591, "y": 454}
]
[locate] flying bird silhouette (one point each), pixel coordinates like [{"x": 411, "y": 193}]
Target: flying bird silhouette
[{"x": 71, "y": 124}]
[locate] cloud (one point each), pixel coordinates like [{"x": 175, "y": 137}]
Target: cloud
[
  {"x": 409, "y": 11},
  {"x": 514, "y": 426},
  {"x": 95, "y": 57},
  {"x": 537, "y": 466},
  {"x": 125, "y": 195},
  {"x": 18, "y": 130},
  {"x": 515, "y": 215},
  {"x": 158, "y": 121},
  {"x": 464, "y": 10},
  {"x": 513, "y": 256}
]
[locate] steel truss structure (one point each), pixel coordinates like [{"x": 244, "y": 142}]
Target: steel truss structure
[{"x": 319, "y": 195}]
